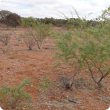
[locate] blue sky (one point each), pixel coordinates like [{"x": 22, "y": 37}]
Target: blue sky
[{"x": 50, "y": 8}]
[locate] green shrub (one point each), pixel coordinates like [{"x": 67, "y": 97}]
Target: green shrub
[
  {"x": 89, "y": 48},
  {"x": 45, "y": 84},
  {"x": 14, "y": 97},
  {"x": 39, "y": 31},
  {"x": 27, "y": 22},
  {"x": 43, "y": 31}
]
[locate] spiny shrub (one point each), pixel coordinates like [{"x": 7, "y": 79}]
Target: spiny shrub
[
  {"x": 43, "y": 31},
  {"x": 39, "y": 31},
  {"x": 89, "y": 48}
]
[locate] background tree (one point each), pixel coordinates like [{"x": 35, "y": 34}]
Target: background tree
[
  {"x": 12, "y": 19},
  {"x": 3, "y": 14}
]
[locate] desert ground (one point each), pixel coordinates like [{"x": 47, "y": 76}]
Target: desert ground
[{"x": 18, "y": 63}]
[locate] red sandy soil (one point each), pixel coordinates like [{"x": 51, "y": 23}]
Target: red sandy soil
[{"x": 19, "y": 63}]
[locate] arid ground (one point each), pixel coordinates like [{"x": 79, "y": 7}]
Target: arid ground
[{"x": 18, "y": 63}]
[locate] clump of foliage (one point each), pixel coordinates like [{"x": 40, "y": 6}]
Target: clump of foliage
[
  {"x": 89, "y": 48},
  {"x": 45, "y": 84},
  {"x": 27, "y": 22},
  {"x": 14, "y": 97},
  {"x": 3, "y": 14},
  {"x": 12, "y": 19}
]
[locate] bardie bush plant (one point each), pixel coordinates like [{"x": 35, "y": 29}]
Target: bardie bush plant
[
  {"x": 89, "y": 48},
  {"x": 39, "y": 31},
  {"x": 14, "y": 98},
  {"x": 43, "y": 30}
]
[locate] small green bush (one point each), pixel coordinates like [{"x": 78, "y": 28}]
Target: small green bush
[
  {"x": 14, "y": 97},
  {"x": 43, "y": 31},
  {"x": 39, "y": 31},
  {"x": 45, "y": 84}
]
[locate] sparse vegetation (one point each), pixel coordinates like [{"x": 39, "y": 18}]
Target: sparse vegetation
[{"x": 83, "y": 54}]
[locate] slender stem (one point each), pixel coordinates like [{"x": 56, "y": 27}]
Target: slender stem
[
  {"x": 103, "y": 77},
  {"x": 76, "y": 71},
  {"x": 98, "y": 68},
  {"x": 90, "y": 70}
]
